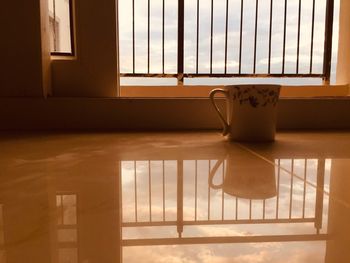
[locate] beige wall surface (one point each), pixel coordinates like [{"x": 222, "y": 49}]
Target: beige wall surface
[
  {"x": 343, "y": 68},
  {"x": 24, "y": 53},
  {"x": 93, "y": 72},
  {"x": 203, "y": 91},
  {"x": 26, "y": 66},
  {"x": 338, "y": 246}
]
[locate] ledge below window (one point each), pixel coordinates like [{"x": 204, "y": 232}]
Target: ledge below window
[
  {"x": 159, "y": 114},
  {"x": 203, "y": 91}
]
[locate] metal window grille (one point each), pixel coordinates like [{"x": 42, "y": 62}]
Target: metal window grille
[{"x": 234, "y": 11}]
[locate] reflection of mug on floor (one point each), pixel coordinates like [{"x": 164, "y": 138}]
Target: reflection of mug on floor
[
  {"x": 249, "y": 179},
  {"x": 251, "y": 111}
]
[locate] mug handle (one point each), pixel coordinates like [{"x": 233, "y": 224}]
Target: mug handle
[
  {"x": 212, "y": 98},
  {"x": 212, "y": 174}
]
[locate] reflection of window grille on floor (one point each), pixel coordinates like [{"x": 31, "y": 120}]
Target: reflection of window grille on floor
[
  {"x": 177, "y": 193},
  {"x": 67, "y": 234}
]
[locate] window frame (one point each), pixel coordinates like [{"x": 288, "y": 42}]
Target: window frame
[{"x": 180, "y": 74}]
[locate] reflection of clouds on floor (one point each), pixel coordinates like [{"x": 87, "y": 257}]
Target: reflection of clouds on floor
[
  {"x": 202, "y": 203},
  {"x": 157, "y": 194}
]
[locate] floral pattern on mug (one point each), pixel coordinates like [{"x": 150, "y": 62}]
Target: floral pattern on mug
[{"x": 256, "y": 96}]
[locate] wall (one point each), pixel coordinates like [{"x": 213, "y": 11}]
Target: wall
[
  {"x": 26, "y": 67},
  {"x": 158, "y": 114},
  {"x": 203, "y": 91},
  {"x": 93, "y": 72},
  {"x": 343, "y": 69},
  {"x": 338, "y": 225},
  {"x": 25, "y": 72},
  {"x": 25, "y": 56}
]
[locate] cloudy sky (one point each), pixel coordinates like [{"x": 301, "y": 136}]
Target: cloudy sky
[{"x": 171, "y": 9}]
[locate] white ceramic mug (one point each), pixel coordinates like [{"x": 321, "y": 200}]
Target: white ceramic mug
[{"x": 251, "y": 111}]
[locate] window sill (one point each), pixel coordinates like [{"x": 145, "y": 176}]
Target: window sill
[
  {"x": 203, "y": 91},
  {"x": 63, "y": 57}
]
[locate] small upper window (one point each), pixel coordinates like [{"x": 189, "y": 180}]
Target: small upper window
[{"x": 61, "y": 32}]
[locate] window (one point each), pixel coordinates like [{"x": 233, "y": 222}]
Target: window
[
  {"x": 228, "y": 41},
  {"x": 61, "y": 29}
]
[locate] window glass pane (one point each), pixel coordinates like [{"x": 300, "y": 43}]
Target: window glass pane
[{"x": 60, "y": 26}]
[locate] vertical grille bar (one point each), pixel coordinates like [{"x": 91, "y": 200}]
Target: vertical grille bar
[
  {"x": 133, "y": 36},
  {"x": 148, "y": 34},
  {"x": 291, "y": 190},
  {"x": 270, "y": 37},
  {"x": 226, "y": 34},
  {"x": 236, "y": 215},
  {"x": 298, "y": 44},
  {"x": 304, "y": 194},
  {"x": 163, "y": 191},
  {"x": 120, "y": 188},
  {"x": 150, "y": 190},
  {"x": 180, "y": 197},
  {"x": 197, "y": 40},
  {"x": 163, "y": 36},
  {"x": 319, "y": 194},
  {"x": 54, "y": 26},
  {"x": 250, "y": 209},
  {"x": 284, "y": 36},
  {"x": 328, "y": 41},
  {"x": 209, "y": 201},
  {"x": 312, "y": 35},
  {"x": 278, "y": 188},
  {"x": 135, "y": 186},
  {"x": 223, "y": 193},
  {"x": 241, "y": 38},
  {"x": 195, "y": 192},
  {"x": 264, "y": 208},
  {"x": 256, "y": 32},
  {"x": 211, "y": 35},
  {"x": 180, "y": 41}
]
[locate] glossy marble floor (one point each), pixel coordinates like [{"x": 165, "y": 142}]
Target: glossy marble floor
[{"x": 174, "y": 197}]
